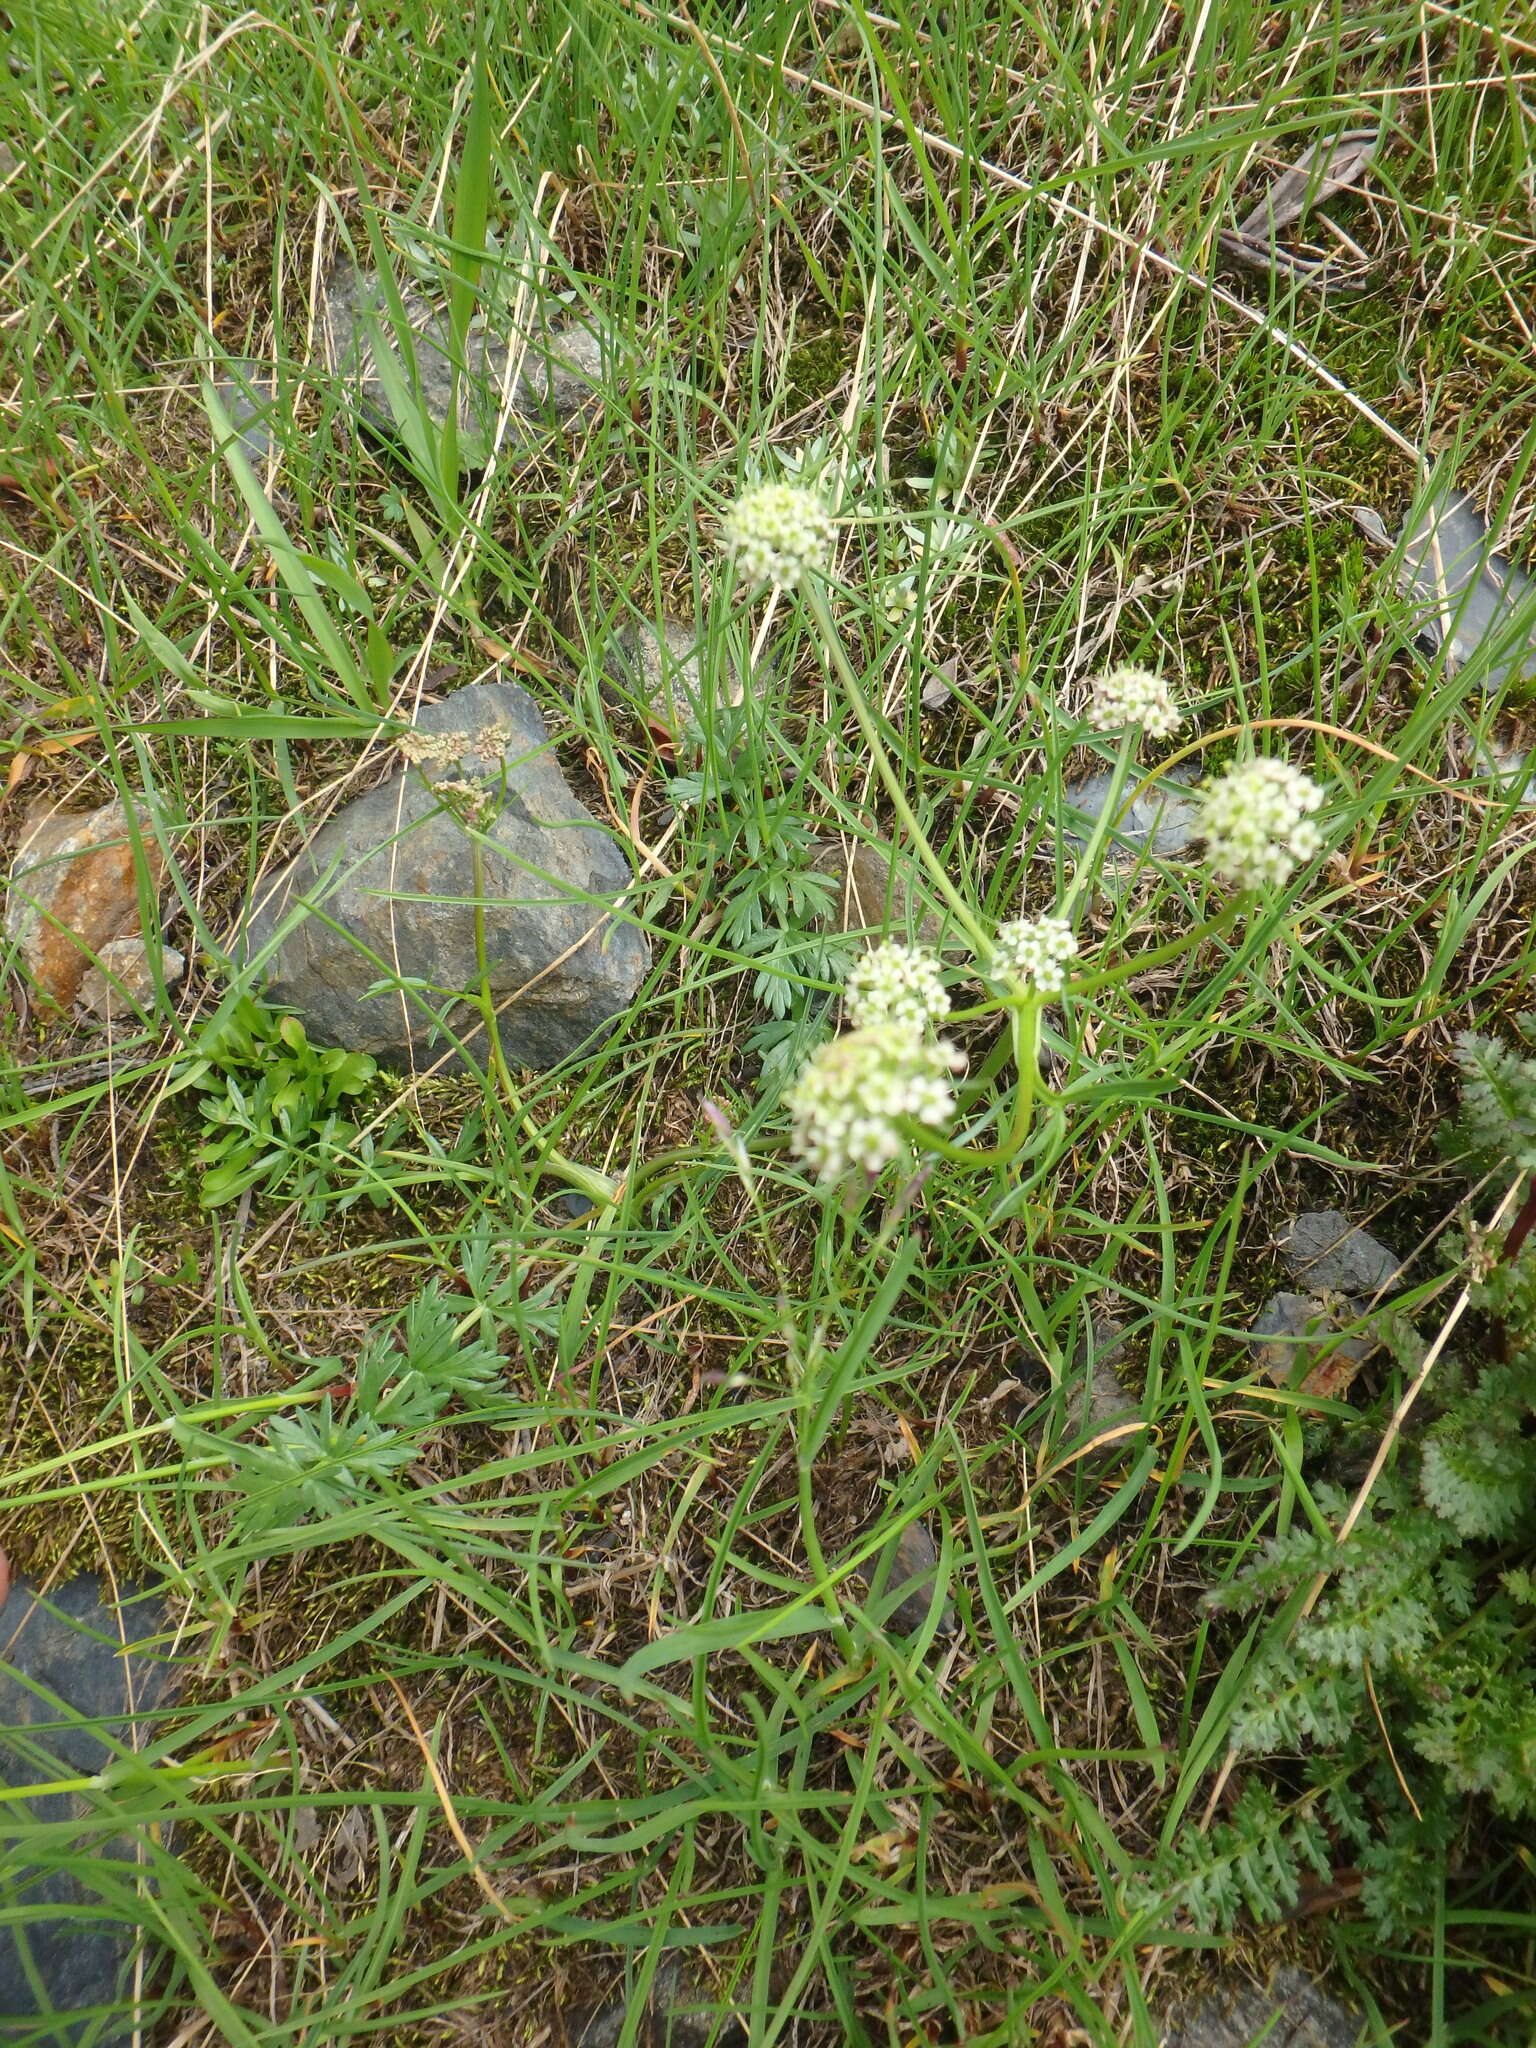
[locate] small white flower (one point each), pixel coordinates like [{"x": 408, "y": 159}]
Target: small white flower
[
  {"x": 471, "y": 802},
  {"x": 424, "y": 749},
  {"x": 896, "y": 984},
  {"x": 1134, "y": 696},
  {"x": 1257, "y": 824},
  {"x": 853, "y": 1095},
  {"x": 1035, "y": 950},
  {"x": 779, "y": 534}
]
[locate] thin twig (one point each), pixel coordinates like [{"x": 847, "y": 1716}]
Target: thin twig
[{"x": 440, "y": 1785}]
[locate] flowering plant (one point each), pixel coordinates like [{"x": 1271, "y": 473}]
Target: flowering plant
[{"x": 869, "y": 1097}]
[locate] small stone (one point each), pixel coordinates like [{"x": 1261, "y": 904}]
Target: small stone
[
  {"x": 1097, "y": 1398},
  {"x": 1292, "y": 2013},
  {"x": 902, "y": 1583},
  {"x": 1512, "y": 768},
  {"x": 540, "y": 378},
  {"x": 69, "y": 1642},
  {"x": 1093, "y": 1397},
  {"x": 940, "y": 686},
  {"x": 875, "y": 893},
  {"x": 395, "y": 876},
  {"x": 1325, "y": 1250},
  {"x": 74, "y": 887},
  {"x": 1463, "y": 593},
  {"x": 677, "y": 2014},
  {"x": 657, "y": 669},
  {"x": 248, "y": 393},
  {"x": 567, "y": 366},
  {"x": 1296, "y": 1333},
  {"x": 1162, "y": 820},
  {"x": 124, "y": 983}
]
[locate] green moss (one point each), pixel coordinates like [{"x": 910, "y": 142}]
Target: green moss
[{"x": 815, "y": 367}]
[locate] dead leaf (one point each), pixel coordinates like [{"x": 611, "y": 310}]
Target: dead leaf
[
  {"x": 940, "y": 687},
  {"x": 1269, "y": 257},
  {"x": 1323, "y": 1897},
  {"x": 1317, "y": 174},
  {"x": 1005, "y": 1894},
  {"x": 1332, "y": 1378},
  {"x": 1461, "y": 590},
  {"x": 19, "y": 770},
  {"x": 888, "y": 1849},
  {"x": 57, "y": 743},
  {"x": 349, "y": 1849}
]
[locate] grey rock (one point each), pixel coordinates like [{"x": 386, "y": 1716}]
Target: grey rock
[
  {"x": 1463, "y": 594},
  {"x": 248, "y": 393},
  {"x": 1292, "y": 2013},
  {"x": 70, "y": 1697},
  {"x": 123, "y": 983},
  {"x": 902, "y": 1583},
  {"x": 1323, "y": 1249},
  {"x": 1163, "y": 820},
  {"x": 393, "y": 875},
  {"x": 1097, "y": 1398},
  {"x": 1292, "y": 1328},
  {"x": 539, "y": 377},
  {"x": 1087, "y": 1394},
  {"x": 677, "y": 2014},
  {"x": 657, "y": 669},
  {"x": 1512, "y": 767}
]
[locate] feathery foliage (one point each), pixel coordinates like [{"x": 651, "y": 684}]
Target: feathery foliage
[{"x": 1425, "y": 1636}]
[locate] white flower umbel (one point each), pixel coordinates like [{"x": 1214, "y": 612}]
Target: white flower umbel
[
  {"x": 471, "y": 802},
  {"x": 1035, "y": 950},
  {"x": 1257, "y": 822},
  {"x": 779, "y": 534},
  {"x": 896, "y": 984},
  {"x": 852, "y": 1097},
  {"x": 1134, "y": 696}
]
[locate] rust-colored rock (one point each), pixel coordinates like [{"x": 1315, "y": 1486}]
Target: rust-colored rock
[{"x": 74, "y": 888}]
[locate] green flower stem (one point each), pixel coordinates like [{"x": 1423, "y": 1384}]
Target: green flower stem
[
  {"x": 815, "y": 1556},
  {"x": 816, "y": 598},
  {"x": 1093, "y": 853},
  {"x": 805, "y": 1472},
  {"x": 1110, "y": 977},
  {"x": 1024, "y": 1027},
  {"x": 495, "y": 1050},
  {"x": 1024, "y": 1043},
  {"x": 929, "y": 1140}
]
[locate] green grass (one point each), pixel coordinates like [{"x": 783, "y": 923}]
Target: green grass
[{"x": 567, "y": 1695}]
